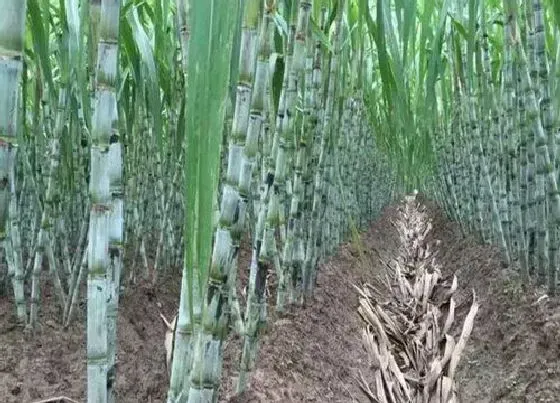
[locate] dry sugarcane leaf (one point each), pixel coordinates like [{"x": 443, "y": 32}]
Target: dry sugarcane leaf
[
  {"x": 386, "y": 374},
  {"x": 433, "y": 375},
  {"x": 387, "y": 316},
  {"x": 400, "y": 377},
  {"x": 436, "y": 276},
  {"x": 410, "y": 327},
  {"x": 433, "y": 262},
  {"x": 369, "y": 393},
  {"x": 410, "y": 283},
  {"x": 428, "y": 229},
  {"x": 389, "y": 322},
  {"x": 420, "y": 252},
  {"x": 387, "y": 280},
  {"x": 414, "y": 381},
  {"x": 467, "y": 329},
  {"x": 422, "y": 361},
  {"x": 436, "y": 336},
  {"x": 429, "y": 344},
  {"x": 366, "y": 291},
  {"x": 406, "y": 323},
  {"x": 432, "y": 281},
  {"x": 411, "y": 352},
  {"x": 406, "y": 360},
  {"x": 425, "y": 395},
  {"x": 411, "y": 268},
  {"x": 362, "y": 291},
  {"x": 454, "y": 398},
  {"x": 401, "y": 281},
  {"x": 425, "y": 291},
  {"x": 427, "y": 252},
  {"x": 454, "y": 284},
  {"x": 414, "y": 310},
  {"x": 365, "y": 339},
  {"x": 450, "y": 316},
  {"x": 418, "y": 288},
  {"x": 367, "y": 390},
  {"x": 436, "y": 394},
  {"x": 369, "y": 311},
  {"x": 421, "y": 267},
  {"x": 371, "y": 348},
  {"x": 435, "y": 315},
  {"x": 421, "y": 333},
  {"x": 417, "y": 358},
  {"x": 446, "y": 389},
  {"x": 362, "y": 312},
  {"x": 409, "y": 289},
  {"x": 449, "y": 347},
  {"x": 396, "y": 391},
  {"x": 383, "y": 355},
  {"x": 377, "y": 354}
]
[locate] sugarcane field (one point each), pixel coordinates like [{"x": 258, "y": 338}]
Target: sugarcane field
[{"x": 254, "y": 201}]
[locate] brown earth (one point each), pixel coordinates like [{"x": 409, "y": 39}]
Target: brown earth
[
  {"x": 314, "y": 353},
  {"x": 513, "y": 354}
]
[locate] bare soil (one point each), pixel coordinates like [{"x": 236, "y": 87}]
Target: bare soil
[
  {"x": 314, "y": 353},
  {"x": 513, "y": 354}
]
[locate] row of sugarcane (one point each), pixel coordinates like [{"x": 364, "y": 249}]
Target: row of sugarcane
[
  {"x": 46, "y": 219},
  {"x": 498, "y": 157},
  {"x": 196, "y": 124},
  {"x": 291, "y": 177},
  {"x": 64, "y": 124},
  {"x": 471, "y": 100}
]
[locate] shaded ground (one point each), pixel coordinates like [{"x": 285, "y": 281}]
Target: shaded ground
[
  {"x": 314, "y": 354},
  {"x": 54, "y": 362}
]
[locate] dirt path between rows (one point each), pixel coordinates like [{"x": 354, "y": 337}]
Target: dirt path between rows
[
  {"x": 317, "y": 354},
  {"x": 314, "y": 354},
  {"x": 411, "y": 317}
]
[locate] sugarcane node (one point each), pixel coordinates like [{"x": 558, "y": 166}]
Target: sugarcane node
[
  {"x": 215, "y": 285},
  {"x": 114, "y": 251},
  {"x": 100, "y": 208},
  {"x": 269, "y": 179},
  {"x": 260, "y": 280}
]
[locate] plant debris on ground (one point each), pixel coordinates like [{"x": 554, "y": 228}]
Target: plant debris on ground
[
  {"x": 314, "y": 354},
  {"x": 409, "y": 321}
]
